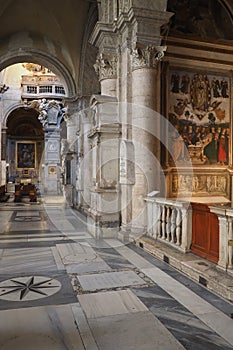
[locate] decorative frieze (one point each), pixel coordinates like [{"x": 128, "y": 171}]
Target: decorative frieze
[
  {"x": 106, "y": 66},
  {"x": 199, "y": 184},
  {"x": 147, "y": 57}
]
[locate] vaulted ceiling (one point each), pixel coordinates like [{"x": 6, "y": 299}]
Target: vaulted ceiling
[{"x": 48, "y": 32}]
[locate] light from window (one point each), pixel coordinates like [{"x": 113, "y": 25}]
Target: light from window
[
  {"x": 32, "y": 89},
  {"x": 59, "y": 90},
  {"x": 45, "y": 89}
]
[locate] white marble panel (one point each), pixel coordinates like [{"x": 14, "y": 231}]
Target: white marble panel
[
  {"x": 76, "y": 253},
  {"x": 27, "y": 213},
  {"x": 138, "y": 331},
  {"x": 110, "y": 280},
  {"x": 110, "y": 303},
  {"x": 28, "y": 226},
  {"x": 48, "y": 328},
  {"x": 88, "y": 267},
  {"x": 84, "y": 329},
  {"x": 57, "y": 258}
]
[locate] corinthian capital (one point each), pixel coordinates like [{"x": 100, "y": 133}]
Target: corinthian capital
[
  {"x": 106, "y": 66},
  {"x": 147, "y": 57}
]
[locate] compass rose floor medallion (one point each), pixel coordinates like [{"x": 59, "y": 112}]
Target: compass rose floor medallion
[{"x": 28, "y": 288}]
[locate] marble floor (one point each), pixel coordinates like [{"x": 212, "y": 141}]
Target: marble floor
[{"x": 60, "y": 289}]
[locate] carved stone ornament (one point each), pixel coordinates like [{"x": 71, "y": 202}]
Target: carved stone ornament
[
  {"x": 106, "y": 66},
  {"x": 147, "y": 57},
  {"x": 51, "y": 112}
]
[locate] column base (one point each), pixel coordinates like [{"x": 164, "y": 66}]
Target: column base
[{"x": 102, "y": 226}]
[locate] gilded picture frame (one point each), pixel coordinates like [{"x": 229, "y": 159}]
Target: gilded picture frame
[{"x": 25, "y": 155}]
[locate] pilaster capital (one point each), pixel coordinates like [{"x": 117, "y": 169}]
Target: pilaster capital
[
  {"x": 106, "y": 66},
  {"x": 147, "y": 57}
]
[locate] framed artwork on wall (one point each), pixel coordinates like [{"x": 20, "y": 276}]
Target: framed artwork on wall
[
  {"x": 199, "y": 110},
  {"x": 26, "y": 155}
]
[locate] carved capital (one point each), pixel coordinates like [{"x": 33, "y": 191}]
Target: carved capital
[
  {"x": 106, "y": 66},
  {"x": 147, "y": 57}
]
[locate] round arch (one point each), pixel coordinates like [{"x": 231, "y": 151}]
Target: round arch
[{"x": 22, "y": 55}]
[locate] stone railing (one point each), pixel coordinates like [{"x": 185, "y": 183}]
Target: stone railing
[
  {"x": 170, "y": 221},
  {"x": 225, "y": 217}
]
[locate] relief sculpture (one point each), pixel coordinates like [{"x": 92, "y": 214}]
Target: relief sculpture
[{"x": 199, "y": 184}]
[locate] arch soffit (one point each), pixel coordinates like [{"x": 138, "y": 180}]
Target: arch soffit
[{"x": 22, "y": 55}]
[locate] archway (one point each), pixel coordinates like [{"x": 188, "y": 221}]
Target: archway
[{"x": 24, "y": 146}]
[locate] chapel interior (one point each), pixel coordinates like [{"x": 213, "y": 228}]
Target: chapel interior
[{"x": 133, "y": 109}]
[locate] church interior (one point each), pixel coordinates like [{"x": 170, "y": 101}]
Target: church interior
[{"x": 116, "y": 174}]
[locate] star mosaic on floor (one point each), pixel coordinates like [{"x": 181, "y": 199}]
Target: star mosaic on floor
[{"x": 28, "y": 288}]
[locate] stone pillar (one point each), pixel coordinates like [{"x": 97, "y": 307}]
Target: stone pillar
[
  {"x": 3, "y": 143},
  {"x": 83, "y": 166},
  {"x": 52, "y": 162},
  {"x": 74, "y": 149},
  {"x": 3, "y": 156},
  {"x": 223, "y": 236},
  {"x": 51, "y": 114},
  {"x": 104, "y": 215}
]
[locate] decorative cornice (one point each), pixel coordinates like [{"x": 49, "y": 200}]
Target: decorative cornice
[
  {"x": 106, "y": 66},
  {"x": 147, "y": 57}
]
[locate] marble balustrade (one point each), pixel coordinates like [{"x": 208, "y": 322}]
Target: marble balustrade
[{"x": 169, "y": 221}]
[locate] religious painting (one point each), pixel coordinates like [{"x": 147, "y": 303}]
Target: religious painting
[
  {"x": 199, "y": 110},
  {"x": 26, "y": 155}
]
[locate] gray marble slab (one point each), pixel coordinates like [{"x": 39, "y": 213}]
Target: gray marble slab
[{"x": 188, "y": 329}]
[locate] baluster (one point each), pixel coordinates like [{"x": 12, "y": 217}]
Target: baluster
[
  {"x": 230, "y": 248},
  {"x": 164, "y": 222},
  {"x": 173, "y": 225},
  {"x": 168, "y": 224},
  {"x": 150, "y": 218},
  {"x": 178, "y": 227},
  {"x": 159, "y": 223}
]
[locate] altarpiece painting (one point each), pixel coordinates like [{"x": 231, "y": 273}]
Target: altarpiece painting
[{"x": 199, "y": 110}]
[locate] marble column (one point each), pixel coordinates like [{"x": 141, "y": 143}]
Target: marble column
[{"x": 145, "y": 128}]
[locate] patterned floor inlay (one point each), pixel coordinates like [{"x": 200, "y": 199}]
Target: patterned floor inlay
[{"x": 28, "y": 288}]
